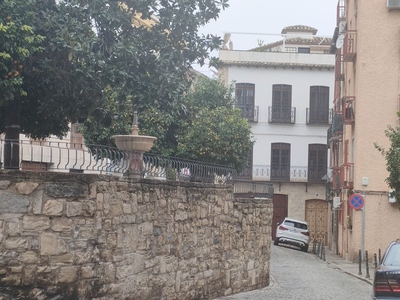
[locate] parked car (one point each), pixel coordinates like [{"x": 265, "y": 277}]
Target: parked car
[
  {"x": 387, "y": 274},
  {"x": 293, "y": 232}
]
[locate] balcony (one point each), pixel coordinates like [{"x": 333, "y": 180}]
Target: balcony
[
  {"x": 341, "y": 12},
  {"x": 339, "y": 76},
  {"x": 319, "y": 118},
  {"x": 249, "y": 112},
  {"x": 329, "y": 136},
  {"x": 337, "y": 124},
  {"x": 348, "y": 109},
  {"x": 282, "y": 116},
  {"x": 292, "y": 174},
  {"x": 343, "y": 177},
  {"x": 251, "y": 189},
  {"x": 350, "y": 46}
]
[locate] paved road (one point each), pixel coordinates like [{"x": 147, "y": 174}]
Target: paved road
[{"x": 302, "y": 276}]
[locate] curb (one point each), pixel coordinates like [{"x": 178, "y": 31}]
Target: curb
[{"x": 367, "y": 280}]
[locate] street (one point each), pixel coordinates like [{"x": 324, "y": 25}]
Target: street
[{"x": 299, "y": 275}]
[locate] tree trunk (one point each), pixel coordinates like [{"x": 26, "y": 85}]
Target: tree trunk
[{"x": 11, "y": 145}]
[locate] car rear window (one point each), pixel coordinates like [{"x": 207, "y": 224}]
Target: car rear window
[
  {"x": 295, "y": 224},
  {"x": 393, "y": 256}
]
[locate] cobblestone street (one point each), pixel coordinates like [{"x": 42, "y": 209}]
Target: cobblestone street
[{"x": 299, "y": 275}]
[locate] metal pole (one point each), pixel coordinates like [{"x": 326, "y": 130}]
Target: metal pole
[
  {"x": 359, "y": 262},
  {"x": 366, "y": 264},
  {"x": 380, "y": 258},
  {"x": 375, "y": 261},
  {"x": 363, "y": 229}
]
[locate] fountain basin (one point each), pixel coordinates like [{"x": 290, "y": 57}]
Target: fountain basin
[{"x": 139, "y": 143}]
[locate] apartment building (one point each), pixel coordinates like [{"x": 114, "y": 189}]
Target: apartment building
[
  {"x": 285, "y": 90},
  {"x": 366, "y": 44}
]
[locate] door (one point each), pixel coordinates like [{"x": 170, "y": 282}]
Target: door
[
  {"x": 280, "y": 204},
  {"x": 317, "y": 219}
]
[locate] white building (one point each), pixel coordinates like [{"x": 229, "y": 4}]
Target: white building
[{"x": 285, "y": 89}]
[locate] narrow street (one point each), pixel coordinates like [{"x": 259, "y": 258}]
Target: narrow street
[{"x": 299, "y": 275}]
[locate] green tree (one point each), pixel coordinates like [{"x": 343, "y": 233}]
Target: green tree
[
  {"x": 90, "y": 46},
  {"x": 215, "y": 131},
  {"x": 392, "y": 157}
]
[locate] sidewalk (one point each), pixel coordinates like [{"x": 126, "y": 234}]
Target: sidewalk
[{"x": 349, "y": 267}]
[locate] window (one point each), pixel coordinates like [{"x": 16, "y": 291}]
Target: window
[
  {"x": 280, "y": 162},
  {"x": 319, "y": 105},
  {"x": 303, "y": 50},
  {"x": 247, "y": 172},
  {"x": 281, "y": 111},
  {"x": 245, "y": 99},
  {"x": 317, "y": 162}
]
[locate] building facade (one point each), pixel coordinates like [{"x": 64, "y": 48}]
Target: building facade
[
  {"x": 285, "y": 90},
  {"x": 366, "y": 45}
]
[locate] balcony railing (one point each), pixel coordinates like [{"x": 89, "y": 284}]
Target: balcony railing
[
  {"x": 249, "y": 112},
  {"x": 337, "y": 124},
  {"x": 329, "y": 136},
  {"x": 294, "y": 174},
  {"x": 283, "y": 116},
  {"x": 341, "y": 12},
  {"x": 339, "y": 76},
  {"x": 343, "y": 176},
  {"x": 319, "y": 118},
  {"x": 350, "y": 46},
  {"x": 251, "y": 189},
  {"x": 348, "y": 109}
]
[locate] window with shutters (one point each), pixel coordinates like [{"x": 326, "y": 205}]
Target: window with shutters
[
  {"x": 281, "y": 110},
  {"x": 319, "y": 105},
  {"x": 317, "y": 162},
  {"x": 245, "y": 100},
  {"x": 280, "y": 162}
]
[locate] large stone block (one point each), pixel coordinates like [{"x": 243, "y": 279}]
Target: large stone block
[
  {"x": 68, "y": 274},
  {"x": 53, "y": 208},
  {"x": 61, "y": 225},
  {"x": 48, "y": 244},
  {"x": 36, "y": 223},
  {"x": 85, "y": 208},
  {"x": 11, "y": 203},
  {"x": 66, "y": 190},
  {"x": 16, "y": 243},
  {"x": 26, "y": 188},
  {"x": 4, "y": 184}
]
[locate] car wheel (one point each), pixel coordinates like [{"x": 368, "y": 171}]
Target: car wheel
[
  {"x": 305, "y": 248},
  {"x": 276, "y": 241}
]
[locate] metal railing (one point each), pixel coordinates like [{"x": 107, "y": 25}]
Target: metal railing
[
  {"x": 319, "y": 117},
  {"x": 295, "y": 174},
  {"x": 94, "y": 159},
  {"x": 282, "y": 115},
  {"x": 251, "y": 189}
]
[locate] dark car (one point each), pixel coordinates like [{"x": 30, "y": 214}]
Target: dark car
[{"x": 387, "y": 275}]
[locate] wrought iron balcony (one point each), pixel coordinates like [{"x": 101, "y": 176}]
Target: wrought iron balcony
[
  {"x": 319, "y": 118},
  {"x": 337, "y": 124},
  {"x": 249, "y": 112},
  {"x": 282, "y": 116},
  {"x": 348, "y": 109},
  {"x": 343, "y": 177},
  {"x": 251, "y": 189},
  {"x": 339, "y": 76},
  {"x": 341, "y": 12},
  {"x": 329, "y": 136},
  {"x": 350, "y": 46}
]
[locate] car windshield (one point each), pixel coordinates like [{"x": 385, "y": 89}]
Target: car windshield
[
  {"x": 393, "y": 256},
  {"x": 295, "y": 224}
]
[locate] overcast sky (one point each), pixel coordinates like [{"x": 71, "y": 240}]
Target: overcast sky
[{"x": 270, "y": 17}]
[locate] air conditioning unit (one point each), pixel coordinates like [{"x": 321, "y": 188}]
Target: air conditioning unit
[
  {"x": 391, "y": 199},
  {"x": 336, "y": 202},
  {"x": 393, "y": 4}
]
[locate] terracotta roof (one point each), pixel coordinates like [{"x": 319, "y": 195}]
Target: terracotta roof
[
  {"x": 299, "y": 28},
  {"x": 275, "y": 64},
  {"x": 296, "y": 41}
]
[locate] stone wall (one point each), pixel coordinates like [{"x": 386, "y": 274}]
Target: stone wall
[{"x": 75, "y": 236}]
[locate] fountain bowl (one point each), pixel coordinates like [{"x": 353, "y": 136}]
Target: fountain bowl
[{"x": 135, "y": 143}]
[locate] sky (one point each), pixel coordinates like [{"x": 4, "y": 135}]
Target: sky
[{"x": 265, "y": 19}]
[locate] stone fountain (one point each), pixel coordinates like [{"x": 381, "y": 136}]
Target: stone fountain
[{"x": 135, "y": 145}]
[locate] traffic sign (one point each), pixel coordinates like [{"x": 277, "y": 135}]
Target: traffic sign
[{"x": 356, "y": 201}]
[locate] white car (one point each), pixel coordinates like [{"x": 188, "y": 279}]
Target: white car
[{"x": 293, "y": 232}]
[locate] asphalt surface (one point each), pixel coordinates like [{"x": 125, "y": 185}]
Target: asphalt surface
[{"x": 298, "y": 275}]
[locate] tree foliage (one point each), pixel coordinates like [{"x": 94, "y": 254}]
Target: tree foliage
[
  {"x": 392, "y": 157},
  {"x": 215, "y": 131},
  {"x": 89, "y": 46}
]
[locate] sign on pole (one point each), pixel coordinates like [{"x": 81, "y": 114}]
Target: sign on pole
[{"x": 356, "y": 201}]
